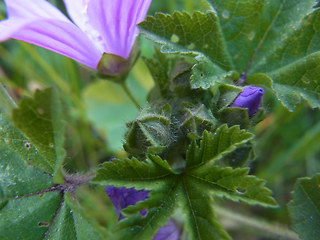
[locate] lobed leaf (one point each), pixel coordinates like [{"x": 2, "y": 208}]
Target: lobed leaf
[
  {"x": 26, "y": 214},
  {"x": 234, "y": 184},
  {"x": 197, "y": 35},
  {"x": 274, "y": 37},
  {"x": 194, "y": 34},
  {"x": 304, "y": 208},
  {"x": 197, "y": 204},
  {"x": 20, "y": 217},
  {"x": 72, "y": 223},
  {"x": 214, "y": 146},
  {"x": 133, "y": 173}
]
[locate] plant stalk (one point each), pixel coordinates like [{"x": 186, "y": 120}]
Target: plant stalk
[
  {"x": 257, "y": 223},
  {"x": 129, "y": 94}
]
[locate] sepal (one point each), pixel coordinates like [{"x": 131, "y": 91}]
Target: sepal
[
  {"x": 115, "y": 68},
  {"x": 150, "y": 132}
]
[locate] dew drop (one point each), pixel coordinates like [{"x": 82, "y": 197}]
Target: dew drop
[
  {"x": 191, "y": 46},
  {"x": 306, "y": 80},
  {"x": 251, "y": 35},
  {"x": 241, "y": 190},
  {"x": 225, "y": 14},
  {"x": 40, "y": 111},
  {"x": 174, "y": 38}
]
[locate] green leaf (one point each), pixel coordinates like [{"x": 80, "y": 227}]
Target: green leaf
[
  {"x": 297, "y": 81},
  {"x": 289, "y": 58},
  {"x": 26, "y": 214},
  {"x": 196, "y": 34},
  {"x": 28, "y": 201},
  {"x": 234, "y": 184},
  {"x": 274, "y": 37},
  {"x": 14, "y": 139},
  {"x": 305, "y": 208},
  {"x": 214, "y": 146},
  {"x": 20, "y": 217},
  {"x": 41, "y": 122},
  {"x": 192, "y": 188},
  {"x": 132, "y": 172},
  {"x": 197, "y": 203},
  {"x": 239, "y": 23},
  {"x": 72, "y": 223}
]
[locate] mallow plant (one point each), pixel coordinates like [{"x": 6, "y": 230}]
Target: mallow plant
[{"x": 187, "y": 165}]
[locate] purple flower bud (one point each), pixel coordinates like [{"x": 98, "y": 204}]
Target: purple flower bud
[
  {"x": 124, "y": 197},
  {"x": 249, "y": 98}
]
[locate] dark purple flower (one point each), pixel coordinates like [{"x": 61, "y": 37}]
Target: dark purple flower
[
  {"x": 170, "y": 231},
  {"x": 249, "y": 98},
  {"x": 99, "y": 26},
  {"x": 124, "y": 197}
]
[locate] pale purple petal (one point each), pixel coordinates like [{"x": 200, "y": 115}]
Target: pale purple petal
[
  {"x": 249, "y": 98},
  {"x": 33, "y": 9},
  {"x": 116, "y": 22},
  {"x": 124, "y": 197},
  {"x": 77, "y": 12},
  {"x": 48, "y": 28},
  {"x": 60, "y": 37},
  {"x": 170, "y": 231}
]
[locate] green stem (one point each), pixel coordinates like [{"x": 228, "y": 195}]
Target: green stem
[
  {"x": 8, "y": 97},
  {"x": 256, "y": 223},
  {"x": 127, "y": 91}
]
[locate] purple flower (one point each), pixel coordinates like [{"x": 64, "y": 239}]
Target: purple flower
[
  {"x": 249, "y": 98},
  {"x": 170, "y": 231},
  {"x": 123, "y": 197},
  {"x": 99, "y": 26}
]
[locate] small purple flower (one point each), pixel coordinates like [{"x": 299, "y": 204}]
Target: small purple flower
[
  {"x": 170, "y": 231},
  {"x": 249, "y": 98},
  {"x": 124, "y": 197},
  {"x": 99, "y": 26}
]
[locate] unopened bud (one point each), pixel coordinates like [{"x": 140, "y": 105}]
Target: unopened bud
[
  {"x": 149, "y": 133},
  {"x": 249, "y": 98}
]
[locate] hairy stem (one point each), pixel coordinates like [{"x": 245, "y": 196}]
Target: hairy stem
[
  {"x": 239, "y": 219},
  {"x": 128, "y": 92}
]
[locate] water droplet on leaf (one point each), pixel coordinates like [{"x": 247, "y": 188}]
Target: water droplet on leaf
[
  {"x": 191, "y": 46},
  {"x": 251, "y": 35},
  {"x": 40, "y": 111},
  {"x": 226, "y": 14},
  {"x": 174, "y": 38}
]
